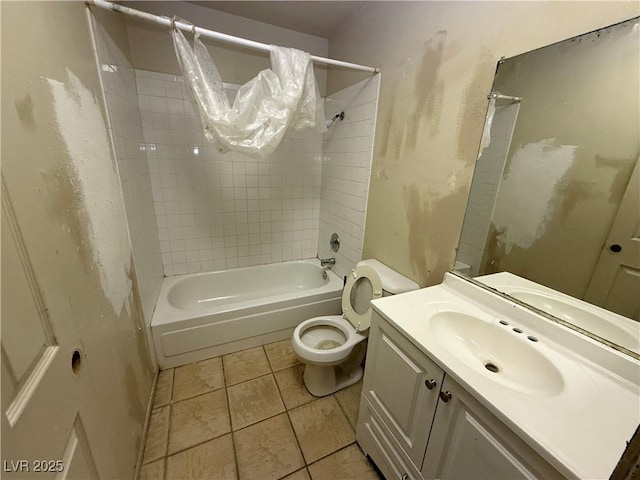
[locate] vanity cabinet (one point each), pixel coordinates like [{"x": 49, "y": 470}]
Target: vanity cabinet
[
  {"x": 401, "y": 385},
  {"x": 416, "y": 422},
  {"x": 468, "y": 441}
]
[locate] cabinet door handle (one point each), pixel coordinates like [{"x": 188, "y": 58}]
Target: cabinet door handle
[
  {"x": 430, "y": 383},
  {"x": 405, "y": 476},
  {"x": 445, "y": 396}
]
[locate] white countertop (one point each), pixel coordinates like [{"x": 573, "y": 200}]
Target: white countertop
[{"x": 582, "y": 428}]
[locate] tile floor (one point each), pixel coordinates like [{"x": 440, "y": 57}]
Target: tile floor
[{"x": 247, "y": 415}]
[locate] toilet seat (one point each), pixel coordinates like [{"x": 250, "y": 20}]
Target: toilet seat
[{"x": 361, "y": 321}]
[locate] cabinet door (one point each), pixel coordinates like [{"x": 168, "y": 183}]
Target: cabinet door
[
  {"x": 402, "y": 386},
  {"x": 375, "y": 441},
  {"x": 468, "y": 442}
]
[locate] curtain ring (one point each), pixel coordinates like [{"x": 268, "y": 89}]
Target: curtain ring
[{"x": 173, "y": 22}]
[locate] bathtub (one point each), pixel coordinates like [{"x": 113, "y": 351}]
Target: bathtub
[{"x": 204, "y": 315}]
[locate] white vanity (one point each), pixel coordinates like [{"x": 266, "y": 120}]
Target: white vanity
[{"x": 462, "y": 383}]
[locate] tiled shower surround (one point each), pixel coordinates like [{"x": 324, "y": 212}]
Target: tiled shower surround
[
  {"x": 486, "y": 180},
  {"x": 216, "y": 211},
  {"x": 346, "y": 169}
]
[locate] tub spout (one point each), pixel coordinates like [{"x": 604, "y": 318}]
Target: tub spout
[{"x": 327, "y": 261}]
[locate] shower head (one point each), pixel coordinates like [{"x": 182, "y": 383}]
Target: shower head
[{"x": 334, "y": 118}]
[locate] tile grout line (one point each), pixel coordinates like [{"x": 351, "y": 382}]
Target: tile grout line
[
  {"x": 166, "y": 456},
  {"x": 343, "y": 410},
  {"x": 231, "y": 430},
  {"x": 295, "y": 435},
  {"x": 287, "y": 410},
  {"x": 333, "y": 453},
  {"x": 191, "y": 398},
  {"x": 233, "y": 438},
  {"x": 174, "y": 402}
]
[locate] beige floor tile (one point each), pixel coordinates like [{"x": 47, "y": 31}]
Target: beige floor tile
[
  {"x": 300, "y": 475},
  {"x": 267, "y": 450},
  {"x": 153, "y": 471},
  {"x": 198, "y": 419},
  {"x": 321, "y": 428},
  {"x": 281, "y": 355},
  {"x": 349, "y": 463},
  {"x": 156, "y": 444},
  {"x": 255, "y": 400},
  {"x": 245, "y": 365},
  {"x": 197, "y": 378},
  {"x": 211, "y": 460},
  {"x": 163, "y": 388},
  {"x": 349, "y": 400},
  {"x": 292, "y": 388}
]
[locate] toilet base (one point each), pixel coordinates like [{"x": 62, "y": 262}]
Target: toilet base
[{"x": 322, "y": 381}]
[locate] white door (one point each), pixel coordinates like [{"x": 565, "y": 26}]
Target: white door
[
  {"x": 42, "y": 432},
  {"x": 615, "y": 283}
]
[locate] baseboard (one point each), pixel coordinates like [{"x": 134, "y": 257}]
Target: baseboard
[{"x": 145, "y": 428}]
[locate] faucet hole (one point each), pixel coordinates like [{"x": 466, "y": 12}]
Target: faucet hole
[
  {"x": 517, "y": 330},
  {"x": 533, "y": 339},
  {"x": 504, "y": 322},
  {"x": 492, "y": 367}
]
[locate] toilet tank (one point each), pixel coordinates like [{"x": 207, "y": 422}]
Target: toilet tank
[{"x": 392, "y": 281}]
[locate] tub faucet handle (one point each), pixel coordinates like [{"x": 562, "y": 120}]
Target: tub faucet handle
[{"x": 327, "y": 261}]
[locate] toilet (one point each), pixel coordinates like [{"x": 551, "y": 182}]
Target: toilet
[{"x": 333, "y": 347}]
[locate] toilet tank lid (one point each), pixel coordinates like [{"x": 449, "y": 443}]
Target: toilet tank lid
[{"x": 392, "y": 281}]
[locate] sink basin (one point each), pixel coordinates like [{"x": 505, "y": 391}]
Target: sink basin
[
  {"x": 579, "y": 317},
  {"x": 497, "y": 352}
]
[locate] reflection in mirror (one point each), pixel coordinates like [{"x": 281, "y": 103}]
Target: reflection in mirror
[{"x": 555, "y": 198}]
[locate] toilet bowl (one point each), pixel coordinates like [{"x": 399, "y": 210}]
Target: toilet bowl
[{"x": 333, "y": 347}]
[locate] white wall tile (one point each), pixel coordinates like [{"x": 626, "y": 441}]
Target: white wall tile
[
  {"x": 240, "y": 203},
  {"x": 486, "y": 178},
  {"x": 346, "y": 167},
  {"x": 130, "y": 131}
]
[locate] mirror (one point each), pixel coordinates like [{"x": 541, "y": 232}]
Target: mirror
[{"x": 553, "y": 213}]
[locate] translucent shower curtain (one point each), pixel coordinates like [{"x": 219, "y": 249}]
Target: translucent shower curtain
[{"x": 285, "y": 96}]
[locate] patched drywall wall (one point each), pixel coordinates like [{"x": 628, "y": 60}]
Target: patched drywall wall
[
  {"x": 152, "y": 48},
  {"x": 92, "y": 174},
  {"x": 574, "y": 147},
  {"x": 525, "y": 199},
  {"x": 59, "y": 169},
  {"x": 438, "y": 60},
  {"x": 125, "y": 125}
]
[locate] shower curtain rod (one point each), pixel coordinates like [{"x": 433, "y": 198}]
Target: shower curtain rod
[
  {"x": 223, "y": 37},
  {"x": 499, "y": 96}
]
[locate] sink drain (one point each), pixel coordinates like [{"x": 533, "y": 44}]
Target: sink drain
[{"x": 492, "y": 367}]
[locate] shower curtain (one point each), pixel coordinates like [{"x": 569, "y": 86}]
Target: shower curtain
[
  {"x": 488, "y": 123},
  {"x": 285, "y": 96}
]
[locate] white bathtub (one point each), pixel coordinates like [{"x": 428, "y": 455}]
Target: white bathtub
[{"x": 203, "y": 315}]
